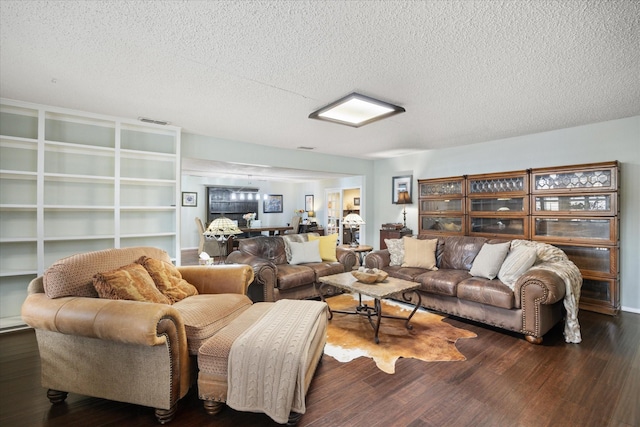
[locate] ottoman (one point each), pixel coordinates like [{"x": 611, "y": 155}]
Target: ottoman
[{"x": 213, "y": 356}]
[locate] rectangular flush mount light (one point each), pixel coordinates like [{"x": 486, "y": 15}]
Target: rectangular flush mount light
[{"x": 356, "y": 110}]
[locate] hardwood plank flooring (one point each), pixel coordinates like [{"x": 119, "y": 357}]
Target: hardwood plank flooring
[{"x": 505, "y": 381}]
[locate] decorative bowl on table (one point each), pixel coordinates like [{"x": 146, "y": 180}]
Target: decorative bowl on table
[{"x": 370, "y": 275}]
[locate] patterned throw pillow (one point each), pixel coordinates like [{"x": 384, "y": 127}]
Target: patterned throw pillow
[
  {"x": 489, "y": 260},
  {"x": 396, "y": 251},
  {"x": 167, "y": 279},
  {"x": 131, "y": 282},
  {"x": 420, "y": 253}
]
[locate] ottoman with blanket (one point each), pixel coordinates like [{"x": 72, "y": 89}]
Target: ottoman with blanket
[{"x": 264, "y": 360}]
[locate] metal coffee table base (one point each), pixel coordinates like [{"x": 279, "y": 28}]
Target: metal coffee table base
[{"x": 375, "y": 311}]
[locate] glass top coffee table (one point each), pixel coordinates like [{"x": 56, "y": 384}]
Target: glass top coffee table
[{"x": 378, "y": 291}]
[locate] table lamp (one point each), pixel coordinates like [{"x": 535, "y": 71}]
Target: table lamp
[
  {"x": 221, "y": 229},
  {"x": 404, "y": 199},
  {"x": 352, "y": 220}
]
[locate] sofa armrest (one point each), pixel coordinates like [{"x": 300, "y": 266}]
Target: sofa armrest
[
  {"x": 541, "y": 286},
  {"x": 378, "y": 259},
  {"x": 347, "y": 258},
  {"x": 130, "y": 322},
  {"x": 264, "y": 271},
  {"x": 218, "y": 279}
]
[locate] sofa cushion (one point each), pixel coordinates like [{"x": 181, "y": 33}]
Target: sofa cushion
[
  {"x": 460, "y": 251},
  {"x": 322, "y": 269},
  {"x": 517, "y": 262},
  {"x": 327, "y": 246},
  {"x": 484, "y": 291},
  {"x": 305, "y": 252},
  {"x": 205, "y": 314},
  {"x": 419, "y": 253},
  {"x": 130, "y": 282},
  {"x": 73, "y": 276},
  {"x": 404, "y": 273},
  {"x": 489, "y": 259},
  {"x": 167, "y": 279},
  {"x": 442, "y": 282},
  {"x": 396, "y": 251},
  {"x": 291, "y": 276}
]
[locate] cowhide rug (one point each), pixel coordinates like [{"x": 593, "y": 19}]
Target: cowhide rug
[{"x": 350, "y": 336}]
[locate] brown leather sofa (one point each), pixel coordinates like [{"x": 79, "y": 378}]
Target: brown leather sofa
[
  {"x": 129, "y": 351},
  {"x": 275, "y": 278},
  {"x": 532, "y": 307}
]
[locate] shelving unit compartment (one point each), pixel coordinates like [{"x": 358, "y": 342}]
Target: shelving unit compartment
[
  {"x": 569, "y": 229},
  {"x": 503, "y": 227},
  {"x": 18, "y": 258},
  {"x": 58, "y": 249},
  {"x": 592, "y": 260},
  {"x": 143, "y": 139},
  {"x": 442, "y": 224},
  {"x": 16, "y": 155},
  {"x": 13, "y": 291},
  {"x": 148, "y": 168},
  {"x": 18, "y": 121},
  {"x": 147, "y": 194},
  {"x": 166, "y": 243},
  {"x": 61, "y": 160},
  {"x": 79, "y": 130},
  {"x": 18, "y": 224},
  {"x": 601, "y": 204},
  {"x": 76, "y": 192},
  {"x": 147, "y": 222},
  {"x": 67, "y": 223},
  {"x": 18, "y": 189}
]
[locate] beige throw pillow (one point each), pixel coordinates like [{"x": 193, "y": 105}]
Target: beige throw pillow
[
  {"x": 489, "y": 260},
  {"x": 131, "y": 282},
  {"x": 305, "y": 252},
  {"x": 518, "y": 261},
  {"x": 419, "y": 253}
]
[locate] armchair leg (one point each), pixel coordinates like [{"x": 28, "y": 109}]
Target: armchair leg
[
  {"x": 533, "y": 340},
  {"x": 56, "y": 396},
  {"x": 212, "y": 407},
  {"x": 165, "y": 415}
]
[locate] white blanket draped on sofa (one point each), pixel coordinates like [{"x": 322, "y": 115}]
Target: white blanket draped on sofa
[
  {"x": 267, "y": 362},
  {"x": 549, "y": 257}
]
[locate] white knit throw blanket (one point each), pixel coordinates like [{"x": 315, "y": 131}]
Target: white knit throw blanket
[
  {"x": 550, "y": 258},
  {"x": 267, "y": 362}
]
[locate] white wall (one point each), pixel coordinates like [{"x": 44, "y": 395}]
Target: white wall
[{"x": 612, "y": 140}]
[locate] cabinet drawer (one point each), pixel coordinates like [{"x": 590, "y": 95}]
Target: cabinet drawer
[
  {"x": 593, "y": 260},
  {"x": 558, "y": 229},
  {"x": 441, "y": 205},
  {"x": 442, "y": 224},
  {"x": 601, "y": 204},
  {"x": 507, "y": 227}
]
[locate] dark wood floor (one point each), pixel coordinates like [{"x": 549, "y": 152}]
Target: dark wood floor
[{"x": 505, "y": 381}]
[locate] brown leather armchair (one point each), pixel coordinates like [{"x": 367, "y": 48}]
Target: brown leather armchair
[
  {"x": 275, "y": 278},
  {"x": 129, "y": 351}
]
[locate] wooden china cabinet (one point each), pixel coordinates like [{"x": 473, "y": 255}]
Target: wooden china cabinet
[{"x": 575, "y": 208}]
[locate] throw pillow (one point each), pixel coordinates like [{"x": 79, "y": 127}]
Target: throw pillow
[
  {"x": 327, "y": 246},
  {"x": 519, "y": 260},
  {"x": 131, "y": 282},
  {"x": 305, "y": 252},
  {"x": 396, "y": 251},
  {"x": 419, "y": 253},
  {"x": 167, "y": 279},
  {"x": 489, "y": 260}
]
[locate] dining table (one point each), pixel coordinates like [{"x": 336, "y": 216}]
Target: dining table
[{"x": 271, "y": 229}]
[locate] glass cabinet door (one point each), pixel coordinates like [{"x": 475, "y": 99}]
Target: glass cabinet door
[
  {"x": 592, "y": 260},
  {"x": 442, "y": 187},
  {"x": 503, "y": 227},
  {"x": 575, "y": 229},
  {"x": 441, "y": 205},
  {"x": 442, "y": 224},
  {"x": 498, "y": 204},
  {"x": 579, "y": 179},
  {"x": 596, "y": 204}
]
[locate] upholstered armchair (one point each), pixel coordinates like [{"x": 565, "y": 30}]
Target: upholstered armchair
[{"x": 128, "y": 350}]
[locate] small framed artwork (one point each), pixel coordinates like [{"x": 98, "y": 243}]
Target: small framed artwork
[
  {"x": 356, "y": 201},
  {"x": 189, "y": 199},
  {"x": 308, "y": 202},
  {"x": 401, "y": 183},
  {"x": 272, "y": 204}
]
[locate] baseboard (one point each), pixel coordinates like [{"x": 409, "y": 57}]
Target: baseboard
[{"x": 630, "y": 310}]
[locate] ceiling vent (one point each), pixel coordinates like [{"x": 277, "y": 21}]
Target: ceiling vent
[{"x": 155, "y": 122}]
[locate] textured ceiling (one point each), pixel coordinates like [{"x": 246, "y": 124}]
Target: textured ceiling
[{"x": 466, "y": 71}]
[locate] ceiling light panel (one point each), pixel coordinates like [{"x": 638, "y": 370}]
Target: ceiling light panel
[{"x": 356, "y": 110}]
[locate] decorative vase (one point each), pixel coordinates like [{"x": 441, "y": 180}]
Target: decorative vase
[{"x": 248, "y": 223}]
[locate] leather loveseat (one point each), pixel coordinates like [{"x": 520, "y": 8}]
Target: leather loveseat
[
  {"x": 132, "y": 351},
  {"x": 531, "y": 301},
  {"x": 277, "y": 278}
]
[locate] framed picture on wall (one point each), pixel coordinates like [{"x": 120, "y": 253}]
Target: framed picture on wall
[
  {"x": 189, "y": 199},
  {"x": 272, "y": 204},
  {"x": 356, "y": 201},
  {"x": 401, "y": 183},
  {"x": 308, "y": 202}
]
